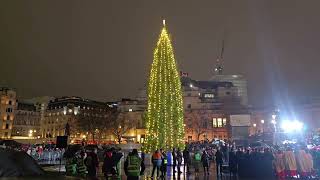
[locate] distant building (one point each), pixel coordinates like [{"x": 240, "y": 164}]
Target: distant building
[
  {"x": 8, "y": 106},
  {"x": 132, "y": 111},
  {"x": 238, "y": 81},
  {"x": 71, "y": 110},
  {"x": 27, "y": 122},
  {"x": 41, "y": 104},
  {"x": 208, "y": 107}
]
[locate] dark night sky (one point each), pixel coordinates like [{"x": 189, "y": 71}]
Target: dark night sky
[{"x": 103, "y": 50}]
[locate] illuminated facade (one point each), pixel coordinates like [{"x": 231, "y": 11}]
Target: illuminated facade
[
  {"x": 71, "y": 110},
  {"x": 208, "y": 108},
  {"x": 8, "y": 106},
  {"x": 26, "y": 124}
]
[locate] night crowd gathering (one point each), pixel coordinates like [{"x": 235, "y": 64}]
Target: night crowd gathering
[{"x": 274, "y": 162}]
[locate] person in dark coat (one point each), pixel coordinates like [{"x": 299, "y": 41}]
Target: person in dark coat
[
  {"x": 92, "y": 163},
  {"x": 219, "y": 161},
  {"x": 164, "y": 163},
  {"x": 187, "y": 160},
  {"x": 108, "y": 166},
  {"x": 267, "y": 159},
  {"x": 179, "y": 160},
  {"x": 233, "y": 163},
  {"x": 174, "y": 160},
  {"x": 205, "y": 162}
]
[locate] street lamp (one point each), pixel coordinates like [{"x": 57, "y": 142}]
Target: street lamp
[{"x": 262, "y": 122}]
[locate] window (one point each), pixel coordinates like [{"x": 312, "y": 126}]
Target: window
[
  {"x": 10, "y": 102},
  {"x": 228, "y": 93},
  {"x": 7, "y": 126},
  {"x": 209, "y": 96},
  {"x": 189, "y": 94},
  {"x": 189, "y": 106},
  {"x": 214, "y": 122},
  {"x": 219, "y": 122},
  {"x": 8, "y": 117},
  {"x": 224, "y": 121}
]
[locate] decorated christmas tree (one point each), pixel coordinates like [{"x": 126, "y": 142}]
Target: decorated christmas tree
[{"x": 164, "y": 116}]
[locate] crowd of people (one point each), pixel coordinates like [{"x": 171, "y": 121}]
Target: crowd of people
[{"x": 195, "y": 159}]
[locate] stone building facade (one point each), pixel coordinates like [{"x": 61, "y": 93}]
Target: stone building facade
[
  {"x": 27, "y": 122},
  {"x": 72, "y": 111},
  {"x": 8, "y": 106}
]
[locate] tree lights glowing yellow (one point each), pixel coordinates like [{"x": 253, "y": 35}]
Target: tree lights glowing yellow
[{"x": 164, "y": 116}]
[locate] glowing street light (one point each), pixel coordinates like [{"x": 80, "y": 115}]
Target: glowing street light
[
  {"x": 291, "y": 126},
  {"x": 262, "y": 121},
  {"x": 254, "y": 125}
]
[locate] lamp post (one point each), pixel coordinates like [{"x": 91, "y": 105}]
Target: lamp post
[
  {"x": 274, "y": 122},
  {"x": 262, "y": 124}
]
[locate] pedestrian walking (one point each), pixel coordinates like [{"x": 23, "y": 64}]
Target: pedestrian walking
[
  {"x": 219, "y": 162},
  {"x": 187, "y": 160},
  {"x": 156, "y": 162},
  {"x": 174, "y": 160},
  {"x": 179, "y": 160},
  {"x": 134, "y": 166},
  {"x": 205, "y": 162}
]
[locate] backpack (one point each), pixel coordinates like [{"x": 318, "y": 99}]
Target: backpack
[{"x": 197, "y": 157}]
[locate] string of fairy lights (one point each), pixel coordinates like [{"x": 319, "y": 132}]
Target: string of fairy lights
[{"x": 164, "y": 117}]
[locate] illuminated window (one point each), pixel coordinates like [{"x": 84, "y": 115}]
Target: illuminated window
[
  {"x": 224, "y": 121},
  {"x": 209, "y": 96},
  {"x": 214, "y": 122},
  {"x": 219, "y": 122}
]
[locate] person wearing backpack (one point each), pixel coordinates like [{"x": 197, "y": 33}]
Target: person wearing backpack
[
  {"x": 197, "y": 162},
  {"x": 92, "y": 163}
]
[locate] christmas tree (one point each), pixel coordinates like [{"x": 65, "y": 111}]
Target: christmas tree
[{"x": 164, "y": 116}]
